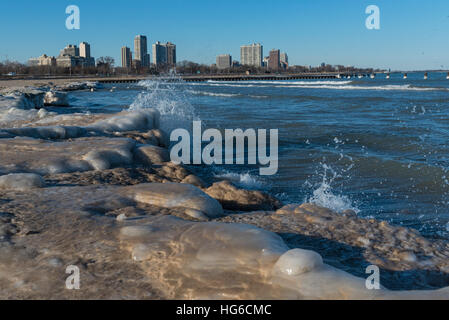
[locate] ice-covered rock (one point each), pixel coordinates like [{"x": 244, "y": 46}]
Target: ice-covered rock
[
  {"x": 149, "y": 155},
  {"x": 44, "y": 157},
  {"x": 56, "y": 98},
  {"x": 233, "y": 198},
  {"x": 21, "y": 182},
  {"x": 175, "y": 195},
  {"x": 297, "y": 261},
  {"x": 143, "y": 120},
  {"x": 23, "y": 98}
]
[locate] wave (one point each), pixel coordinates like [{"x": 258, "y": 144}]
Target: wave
[
  {"x": 245, "y": 180},
  {"x": 342, "y": 85},
  {"x": 171, "y": 102},
  {"x": 214, "y": 94}
]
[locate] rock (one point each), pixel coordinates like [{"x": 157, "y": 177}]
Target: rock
[
  {"x": 56, "y": 98},
  {"x": 194, "y": 180},
  {"x": 21, "y": 181},
  {"x": 174, "y": 195},
  {"x": 148, "y": 155},
  {"x": 236, "y": 199}
]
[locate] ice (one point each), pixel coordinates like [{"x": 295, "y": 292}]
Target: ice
[
  {"x": 141, "y": 120},
  {"x": 44, "y": 157},
  {"x": 175, "y": 195},
  {"x": 56, "y": 98},
  {"x": 228, "y": 261},
  {"x": 21, "y": 182},
  {"x": 297, "y": 261}
]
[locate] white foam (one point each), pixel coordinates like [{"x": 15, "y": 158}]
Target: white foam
[{"x": 241, "y": 179}]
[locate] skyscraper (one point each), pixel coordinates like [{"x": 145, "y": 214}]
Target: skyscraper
[
  {"x": 84, "y": 50},
  {"x": 164, "y": 54},
  {"x": 284, "y": 58},
  {"x": 251, "y": 55},
  {"x": 224, "y": 61},
  {"x": 141, "y": 50},
  {"x": 171, "y": 53},
  {"x": 126, "y": 57},
  {"x": 274, "y": 62}
]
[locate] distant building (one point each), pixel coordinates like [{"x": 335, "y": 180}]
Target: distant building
[
  {"x": 164, "y": 54},
  {"x": 274, "y": 63},
  {"x": 284, "y": 58},
  {"x": 171, "y": 54},
  {"x": 70, "y": 56},
  {"x": 126, "y": 57},
  {"x": 251, "y": 55},
  {"x": 265, "y": 62},
  {"x": 224, "y": 61},
  {"x": 43, "y": 60},
  {"x": 141, "y": 50},
  {"x": 84, "y": 50}
]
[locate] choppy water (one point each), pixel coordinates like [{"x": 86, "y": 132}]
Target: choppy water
[{"x": 377, "y": 146}]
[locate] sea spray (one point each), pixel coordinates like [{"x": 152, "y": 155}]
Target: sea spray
[
  {"x": 325, "y": 197},
  {"x": 170, "y": 100}
]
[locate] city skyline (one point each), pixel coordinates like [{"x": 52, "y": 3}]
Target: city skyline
[{"x": 412, "y": 35}]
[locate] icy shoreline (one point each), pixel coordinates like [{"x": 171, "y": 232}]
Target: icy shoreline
[{"x": 99, "y": 192}]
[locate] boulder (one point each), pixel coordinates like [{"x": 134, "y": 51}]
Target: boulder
[
  {"x": 232, "y": 198},
  {"x": 148, "y": 155}
]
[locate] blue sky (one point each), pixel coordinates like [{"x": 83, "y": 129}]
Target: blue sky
[{"x": 414, "y": 34}]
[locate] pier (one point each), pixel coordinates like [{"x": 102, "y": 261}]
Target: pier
[{"x": 238, "y": 77}]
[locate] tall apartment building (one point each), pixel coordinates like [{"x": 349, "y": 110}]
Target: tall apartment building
[
  {"x": 71, "y": 50},
  {"x": 224, "y": 61},
  {"x": 141, "y": 50},
  {"x": 126, "y": 57},
  {"x": 164, "y": 54},
  {"x": 274, "y": 63},
  {"x": 84, "y": 50},
  {"x": 284, "y": 58},
  {"x": 252, "y": 55}
]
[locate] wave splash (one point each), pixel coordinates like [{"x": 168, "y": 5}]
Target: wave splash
[
  {"x": 324, "y": 196},
  {"x": 171, "y": 102}
]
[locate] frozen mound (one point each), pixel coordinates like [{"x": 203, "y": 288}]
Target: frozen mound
[
  {"x": 56, "y": 98},
  {"x": 83, "y": 125},
  {"x": 21, "y": 182},
  {"x": 76, "y": 86},
  {"x": 228, "y": 261},
  {"x": 352, "y": 243},
  {"x": 83, "y": 154},
  {"x": 141, "y": 120},
  {"x": 175, "y": 195},
  {"x": 233, "y": 198},
  {"x": 22, "y": 98}
]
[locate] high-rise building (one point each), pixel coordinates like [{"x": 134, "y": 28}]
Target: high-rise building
[
  {"x": 251, "y": 55},
  {"x": 126, "y": 57},
  {"x": 284, "y": 58},
  {"x": 141, "y": 50},
  {"x": 274, "y": 62},
  {"x": 159, "y": 54},
  {"x": 164, "y": 54},
  {"x": 171, "y": 53},
  {"x": 84, "y": 50},
  {"x": 224, "y": 61}
]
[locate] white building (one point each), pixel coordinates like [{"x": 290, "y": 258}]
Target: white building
[{"x": 252, "y": 55}]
